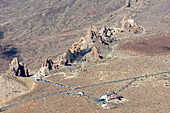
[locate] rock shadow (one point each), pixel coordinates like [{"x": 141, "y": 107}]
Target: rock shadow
[
  {"x": 166, "y": 48},
  {"x": 9, "y": 54},
  {"x": 1, "y": 35}
]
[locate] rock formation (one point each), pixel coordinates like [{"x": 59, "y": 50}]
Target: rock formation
[
  {"x": 79, "y": 49},
  {"x": 129, "y": 3},
  {"x": 42, "y": 72},
  {"x": 131, "y": 26},
  {"x": 94, "y": 42},
  {"x": 127, "y": 26},
  {"x": 49, "y": 64},
  {"x": 18, "y": 69},
  {"x": 95, "y": 53},
  {"x": 45, "y": 68}
]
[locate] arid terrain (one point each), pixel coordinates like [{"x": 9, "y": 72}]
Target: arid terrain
[
  {"x": 84, "y": 43},
  {"x": 154, "y": 45}
]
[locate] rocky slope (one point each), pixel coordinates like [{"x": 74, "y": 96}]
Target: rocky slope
[{"x": 36, "y": 28}]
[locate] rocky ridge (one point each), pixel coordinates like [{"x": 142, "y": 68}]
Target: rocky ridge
[
  {"x": 91, "y": 46},
  {"x": 95, "y": 42}
]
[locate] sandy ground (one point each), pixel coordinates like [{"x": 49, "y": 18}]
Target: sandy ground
[{"x": 12, "y": 87}]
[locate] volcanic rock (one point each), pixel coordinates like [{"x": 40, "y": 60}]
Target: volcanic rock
[
  {"x": 49, "y": 64},
  {"x": 131, "y": 26},
  {"x": 18, "y": 69},
  {"x": 95, "y": 53}
]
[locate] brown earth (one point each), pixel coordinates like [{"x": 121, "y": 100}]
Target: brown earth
[
  {"x": 149, "y": 94},
  {"x": 12, "y": 86},
  {"x": 38, "y": 29},
  {"x": 153, "y": 45}
]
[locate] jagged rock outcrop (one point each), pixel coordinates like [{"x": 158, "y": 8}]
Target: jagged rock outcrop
[
  {"x": 45, "y": 68},
  {"x": 42, "y": 72},
  {"x": 78, "y": 49},
  {"x": 49, "y": 64},
  {"x": 92, "y": 44},
  {"x": 131, "y": 26},
  {"x": 107, "y": 35},
  {"x": 96, "y": 41},
  {"x": 95, "y": 53},
  {"x": 18, "y": 69},
  {"x": 131, "y": 3},
  {"x": 89, "y": 43}
]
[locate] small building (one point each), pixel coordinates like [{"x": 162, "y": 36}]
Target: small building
[{"x": 111, "y": 98}]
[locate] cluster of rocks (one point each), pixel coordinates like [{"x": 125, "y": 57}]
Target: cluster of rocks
[
  {"x": 93, "y": 43},
  {"x": 131, "y": 26},
  {"x": 88, "y": 44}
]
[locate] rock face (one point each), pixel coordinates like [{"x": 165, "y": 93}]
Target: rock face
[
  {"x": 42, "y": 72},
  {"x": 95, "y": 53},
  {"x": 132, "y": 3},
  {"x": 86, "y": 44},
  {"x": 129, "y": 3},
  {"x": 49, "y": 64},
  {"x": 94, "y": 42},
  {"x": 18, "y": 69},
  {"x": 45, "y": 68}
]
